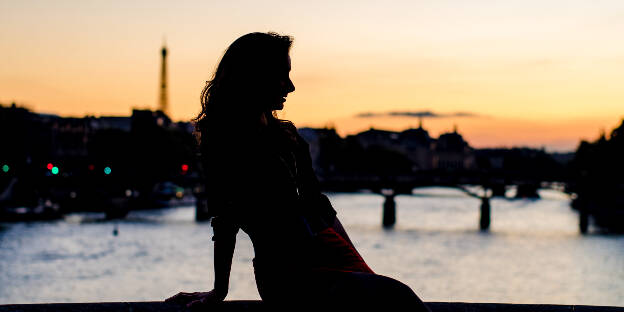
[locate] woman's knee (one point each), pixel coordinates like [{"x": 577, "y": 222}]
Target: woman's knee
[{"x": 392, "y": 288}]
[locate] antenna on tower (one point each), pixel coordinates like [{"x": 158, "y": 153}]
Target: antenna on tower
[{"x": 163, "y": 102}]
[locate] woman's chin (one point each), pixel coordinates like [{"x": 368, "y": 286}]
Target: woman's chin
[{"x": 278, "y": 106}]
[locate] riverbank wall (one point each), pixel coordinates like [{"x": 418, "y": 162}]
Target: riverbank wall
[{"x": 258, "y": 306}]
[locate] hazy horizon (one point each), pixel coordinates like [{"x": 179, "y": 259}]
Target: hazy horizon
[{"x": 524, "y": 73}]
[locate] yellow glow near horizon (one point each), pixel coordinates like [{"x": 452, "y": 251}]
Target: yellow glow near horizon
[{"x": 543, "y": 74}]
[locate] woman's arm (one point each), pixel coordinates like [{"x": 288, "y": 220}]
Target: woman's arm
[
  {"x": 224, "y": 245},
  {"x": 223, "y": 253}
]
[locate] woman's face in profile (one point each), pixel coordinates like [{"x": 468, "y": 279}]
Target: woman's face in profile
[{"x": 278, "y": 86}]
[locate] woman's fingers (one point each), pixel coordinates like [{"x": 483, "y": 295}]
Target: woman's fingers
[
  {"x": 205, "y": 299},
  {"x": 195, "y": 300},
  {"x": 182, "y": 297}
]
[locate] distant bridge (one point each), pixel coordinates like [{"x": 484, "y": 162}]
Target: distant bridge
[{"x": 389, "y": 187}]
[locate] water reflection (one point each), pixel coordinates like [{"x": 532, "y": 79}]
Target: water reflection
[{"x": 533, "y": 253}]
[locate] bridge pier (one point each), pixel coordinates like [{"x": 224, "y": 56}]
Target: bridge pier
[
  {"x": 389, "y": 211},
  {"x": 202, "y": 211},
  {"x": 583, "y": 218},
  {"x": 484, "y": 222}
]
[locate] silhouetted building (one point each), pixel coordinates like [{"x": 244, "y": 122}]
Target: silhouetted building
[
  {"x": 451, "y": 152},
  {"x": 417, "y": 145},
  {"x": 69, "y": 137},
  {"x": 312, "y": 136},
  {"x": 122, "y": 123},
  {"x": 145, "y": 119},
  {"x": 325, "y": 145},
  {"x": 187, "y": 127},
  {"x": 378, "y": 138}
]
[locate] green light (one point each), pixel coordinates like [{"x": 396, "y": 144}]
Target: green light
[
  {"x": 5, "y": 168},
  {"x": 55, "y": 170},
  {"x": 107, "y": 170}
]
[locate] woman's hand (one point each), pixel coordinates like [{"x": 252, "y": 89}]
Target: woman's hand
[{"x": 197, "y": 299}]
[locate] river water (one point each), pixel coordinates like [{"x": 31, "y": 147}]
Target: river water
[{"x": 533, "y": 253}]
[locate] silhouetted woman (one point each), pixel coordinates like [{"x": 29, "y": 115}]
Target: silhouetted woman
[{"x": 259, "y": 179}]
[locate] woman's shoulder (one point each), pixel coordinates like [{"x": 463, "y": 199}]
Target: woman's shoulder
[
  {"x": 289, "y": 131},
  {"x": 286, "y": 125}
]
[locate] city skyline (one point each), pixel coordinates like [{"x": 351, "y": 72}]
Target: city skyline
[{"x": 525, "y": 73}]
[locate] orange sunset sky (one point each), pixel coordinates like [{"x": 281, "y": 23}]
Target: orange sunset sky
[{"x": 523, "y": 73}]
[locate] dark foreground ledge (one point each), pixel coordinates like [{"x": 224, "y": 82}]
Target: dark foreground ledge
[{"x": 256, "y": 306}]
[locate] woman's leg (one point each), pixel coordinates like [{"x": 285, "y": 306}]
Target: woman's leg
[
  {"x": 337, "y": 291},
  {"x": 356, "y": 290}
]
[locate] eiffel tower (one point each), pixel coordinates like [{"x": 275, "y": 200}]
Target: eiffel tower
[{"x": 163, "y": 102}]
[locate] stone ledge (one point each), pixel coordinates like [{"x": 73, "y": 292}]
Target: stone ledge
[{"x": 254, "y": 305}]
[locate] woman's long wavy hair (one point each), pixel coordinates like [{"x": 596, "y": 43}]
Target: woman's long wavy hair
[{"x": 229, "y": 101}]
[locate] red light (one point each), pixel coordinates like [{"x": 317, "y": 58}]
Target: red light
[
  {"x": 91, "y": 167},
  {"x": 50, "y": 166},
  {"x": 185, "y": 167}
]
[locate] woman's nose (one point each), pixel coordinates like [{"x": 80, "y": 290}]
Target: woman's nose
[{"x": 290, "y": 87}]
